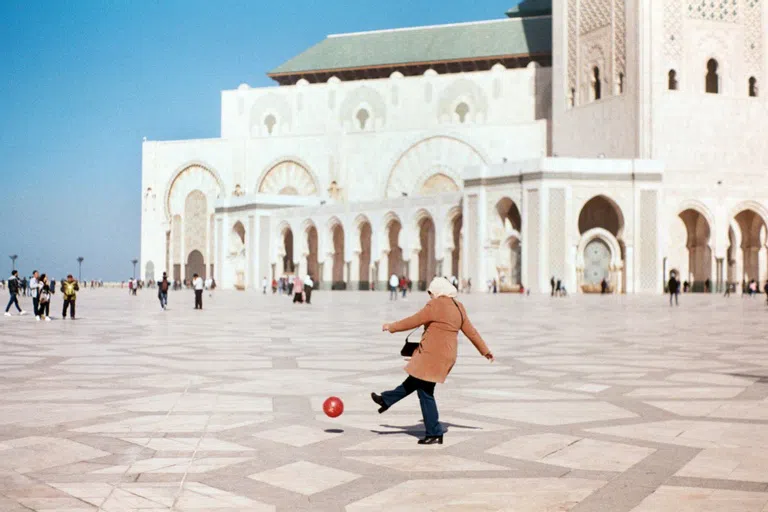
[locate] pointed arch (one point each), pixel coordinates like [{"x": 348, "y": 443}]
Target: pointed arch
[
  {"x": 288, "y": 177},
  {"x": 192, "y": 175},
  {"x": 440, "y": 154}
]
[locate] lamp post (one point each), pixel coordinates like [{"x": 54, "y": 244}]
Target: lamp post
[
  {"x": 13, "y": 260},
  {"x": 80, "y": 268},
  {"x": 134, "y": 261}
]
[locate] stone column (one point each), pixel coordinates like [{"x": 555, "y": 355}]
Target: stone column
[
  {"x": 250, "y": 256},
  {"x": 327, "y": 272},
  {"x": 629, "y": 266},
  {"x": 354, "y": 271},
  {"x": 219, "y": 251},
  {"x": 413, "y": 267},
  {"x": 347, "y": 276},
  {"x": 383, "y": 276}
]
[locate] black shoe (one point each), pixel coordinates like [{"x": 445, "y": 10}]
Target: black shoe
[
  {"x": 432, "y": 440},
  {"x": 379, "y": 401}
]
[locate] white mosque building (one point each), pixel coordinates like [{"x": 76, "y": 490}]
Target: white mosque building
[{"x": 580, "y": 139}]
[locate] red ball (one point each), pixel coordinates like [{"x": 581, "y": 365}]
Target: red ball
[{"x": 333, "y": 407}]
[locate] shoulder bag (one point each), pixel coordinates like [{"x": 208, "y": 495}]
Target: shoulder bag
[{"x": 410, "y": 347}]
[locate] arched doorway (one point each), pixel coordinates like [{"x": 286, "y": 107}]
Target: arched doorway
[
  {"x": 195, "y": 265},
  {"x": 312, "y": 257},
  {"x": 237, "y": 253},
  {"x": 456, "y": 252},
  {"x": 597, "y": 262},
  {"x": 395, "y": 264},
  {"x": 509, "y": 214},
  {"x": 750, "y": 260},
  {"x": 149, "y": 273},
  {"x": 195, "y": 223},
  {"x": 697, "y": 245},
  {"x": 427, "y": 263},
  {"x": 510, "y": 266},
  {"x": 365, "y": 256},
  {"x": 337, "y": 275},
  {"x": 506, "y": 236},
  {"x": 288, "y": 265},
  {"x": 601, "y": 252}
]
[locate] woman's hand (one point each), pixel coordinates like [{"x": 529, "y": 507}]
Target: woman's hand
[
  {"x": 385, "y": 327},
  {"x": 489, "y": 356}
]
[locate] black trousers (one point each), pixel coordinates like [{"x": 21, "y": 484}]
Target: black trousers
[
  {"x": 308, "y": 293},
  {"x": 198, "y": 299},
  {"x": 44, "y": 308},
  {"x": 71, "y": 304},
  {"x": 297, "y": 298},
  {"x": 35, "y": 305}
]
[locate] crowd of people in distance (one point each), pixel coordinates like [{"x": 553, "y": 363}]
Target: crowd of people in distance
[
  {"x": 292, "y": 286},
  {"x": 557, "y": 287},
  {"x": 41, "y": 289},
  {"x": 197, "y": 283}
]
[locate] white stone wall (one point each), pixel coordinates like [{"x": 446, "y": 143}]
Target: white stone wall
[{"x": 413, "y": 131}]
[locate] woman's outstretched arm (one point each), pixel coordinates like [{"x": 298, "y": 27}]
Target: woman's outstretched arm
[
  {"x": 422, "y": 317},
  {"x": 473, "y": 336}
]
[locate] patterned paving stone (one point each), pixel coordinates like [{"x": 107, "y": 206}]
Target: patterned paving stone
[{"x": 594, "y": 404}]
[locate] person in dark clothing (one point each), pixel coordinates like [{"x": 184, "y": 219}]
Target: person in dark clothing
[
  {"x": 552, "y": 286},
  {"x": 44, "y": 299},
  {"x": 69, "y": 288},
  {"x": 308, "y": 286},
  {"x": 765, "y": 289},
  {"x": 558, "y": 288},
  {"x": 603, "y": 286},
  {"x": 13, "y": 289},
  {"x": 162, "y": 291},
  {"x": 674, "y": 289}
]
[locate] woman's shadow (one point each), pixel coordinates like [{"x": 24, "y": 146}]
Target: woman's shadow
[{"x": 418, "y": 429}]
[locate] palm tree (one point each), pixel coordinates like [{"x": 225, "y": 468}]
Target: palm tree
[
  {"x": 134, "y": 261},
  {"x": 13, "y": 260},
  {"x": 80, "y": 268}
]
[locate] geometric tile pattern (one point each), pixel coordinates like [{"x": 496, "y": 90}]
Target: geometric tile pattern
[{"x": 593, "y": 404}]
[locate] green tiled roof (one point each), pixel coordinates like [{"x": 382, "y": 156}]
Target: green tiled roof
[
  {"x": 531, "y": 8},
  {"x": 464, "y": 41}
]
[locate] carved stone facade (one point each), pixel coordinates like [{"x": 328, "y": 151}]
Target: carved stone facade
[{"x": 491, "y": 175}]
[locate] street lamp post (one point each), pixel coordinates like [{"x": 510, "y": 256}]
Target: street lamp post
[
  {"x": 13, "y": 260},
  {"x": 134, "y": 261},
  {"x": 80, "y": 268}
]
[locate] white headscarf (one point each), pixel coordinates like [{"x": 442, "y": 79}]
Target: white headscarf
[{"x": 442, "y": 287}]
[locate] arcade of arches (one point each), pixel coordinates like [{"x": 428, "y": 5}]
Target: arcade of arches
[{"x": 692, "y": 254}]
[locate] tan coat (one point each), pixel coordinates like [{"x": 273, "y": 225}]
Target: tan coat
[{"x": 434, "y": 359}]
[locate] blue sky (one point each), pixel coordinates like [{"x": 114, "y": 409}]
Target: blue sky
[{"x": 84, "y": 80}]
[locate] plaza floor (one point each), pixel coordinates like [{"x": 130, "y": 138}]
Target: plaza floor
[{"x": 600, "y": 404}]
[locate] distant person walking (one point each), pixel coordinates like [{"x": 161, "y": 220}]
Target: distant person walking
[
  {"x": 552, "y": 286},
  {"x": 393, "y": 284},
  {"x": 308, "y": 285},
  {"x": 14, "y": 287},
  {"x": 264, "y": 285},
  {"x": 69, "y": 289},
  {"x": 34, "y": 288},
  {"x": 45, "y": 293},
  {"x": 199, "y": 286},
  {"x": 298, "y": 290},
  {"x": 674, "y": 289},
  {"x": 162, "y": 291}
]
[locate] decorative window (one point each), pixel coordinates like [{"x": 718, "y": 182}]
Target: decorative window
[
  {"x": 270, "y": 121},
  {"x": 596, "y": 86},
  {"x": 712, "y": 81},
  {"x": 753, "y": 87},
  {"x": 462, "y": 109},
  {"x": 362, "y": 117},
  {"x": 672, "y": 80}
]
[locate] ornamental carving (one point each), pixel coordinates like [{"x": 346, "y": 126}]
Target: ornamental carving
[{"x": 714, "y": 10}]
